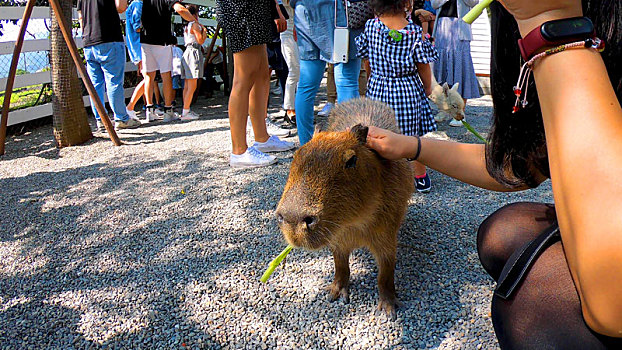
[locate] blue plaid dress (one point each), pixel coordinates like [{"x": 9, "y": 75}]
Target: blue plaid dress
[{"x": 394, "y": 78}]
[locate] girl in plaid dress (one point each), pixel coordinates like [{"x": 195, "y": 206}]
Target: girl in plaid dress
[{"x": 401, "y": 77}]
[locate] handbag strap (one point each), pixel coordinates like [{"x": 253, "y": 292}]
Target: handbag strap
[
  {"x": 521, "y": 261},
  {"x": 346, "y": 11}
]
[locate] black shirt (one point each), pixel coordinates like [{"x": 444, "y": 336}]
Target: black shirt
[
  {"x": 449, "y": 9},
  {"x": 156, "y": 21},
  {"x": 101, "y": 22}
]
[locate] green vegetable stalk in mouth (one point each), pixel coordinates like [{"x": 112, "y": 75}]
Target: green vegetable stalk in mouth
[{"x": 274, "y": 263}]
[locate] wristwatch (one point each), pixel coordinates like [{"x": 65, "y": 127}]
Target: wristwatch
[{"x": 555, "y": 33}]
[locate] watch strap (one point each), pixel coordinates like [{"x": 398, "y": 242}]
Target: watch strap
[
  {"x": 535, "y": 41},
  {"x": 532, "y": 42}
]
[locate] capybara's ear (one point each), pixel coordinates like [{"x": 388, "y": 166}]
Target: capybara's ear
[{"x": 360, "y": 132}]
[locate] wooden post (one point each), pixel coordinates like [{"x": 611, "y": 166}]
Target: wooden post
[
  {"x": 73, "y": 49},
  {"x": 212, "y": 43},
  {"x": 12, "y": 71}
]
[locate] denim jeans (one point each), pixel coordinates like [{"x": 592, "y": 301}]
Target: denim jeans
[
  {"x": 315, "y": 25},
  {"x": 105, "y": 64},
  {"x": 311, "y": 73}
]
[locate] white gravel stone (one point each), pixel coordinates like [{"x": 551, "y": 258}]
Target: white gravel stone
[{"x": 99, "y": 247}]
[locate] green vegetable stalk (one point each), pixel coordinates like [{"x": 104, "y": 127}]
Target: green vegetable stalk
[
  {"x": 274, "y": 263},
  {"x": 476, "y": 11},
  {"x": 473, "y": 131}
]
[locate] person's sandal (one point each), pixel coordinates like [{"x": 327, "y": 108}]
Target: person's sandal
[{"x": 291, "y": 120}]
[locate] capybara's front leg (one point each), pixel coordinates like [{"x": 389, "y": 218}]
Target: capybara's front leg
[
  {"x": 387, "y": 300},
  {"x": 339, "y": 287}
]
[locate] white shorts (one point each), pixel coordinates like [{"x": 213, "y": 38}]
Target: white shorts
[{"x": 157, "y": 57}]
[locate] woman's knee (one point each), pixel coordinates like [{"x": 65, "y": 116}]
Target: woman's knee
[
  {"x": 545, "y": 311},
  {"x": 509, "y": 228}
]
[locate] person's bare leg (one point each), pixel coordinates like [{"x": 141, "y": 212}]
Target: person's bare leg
[
  {"x": 149, "y": 86},
  {"x": 245, "y": 63},
  {"x": 189, "y": 86},
  {"x": 424, "y": 26},
  {"x": 138, "y": 91},
  {"x": 167, "y": 86},
  {"x": 258, "y": 99},
  {"x": 156, "y": 91},
  {"x": 418, "y": 168}
]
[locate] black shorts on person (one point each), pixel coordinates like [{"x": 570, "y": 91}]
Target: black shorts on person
[{"x": 246, "y": 22}]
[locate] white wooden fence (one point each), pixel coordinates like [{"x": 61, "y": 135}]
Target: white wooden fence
[
  {"x": 480, "y": 50},
  {"x": 32, "y": 45}
]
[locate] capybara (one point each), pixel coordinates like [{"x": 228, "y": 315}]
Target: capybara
[{"x": 342, "y": 195}]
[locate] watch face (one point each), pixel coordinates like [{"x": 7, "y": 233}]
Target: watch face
[{"x": 577, "y": 27}]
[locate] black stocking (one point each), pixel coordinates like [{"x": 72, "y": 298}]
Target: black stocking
[{"x": 544, "y": 312}]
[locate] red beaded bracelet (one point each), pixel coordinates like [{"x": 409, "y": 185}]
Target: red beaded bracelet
[{"x": 525, "y": 71}]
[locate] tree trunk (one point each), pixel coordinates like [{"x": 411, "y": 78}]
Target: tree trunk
[{"x": 71, "y": 126}]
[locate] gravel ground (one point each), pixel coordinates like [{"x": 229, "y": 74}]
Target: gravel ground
[{"x": 158, "y": 244}]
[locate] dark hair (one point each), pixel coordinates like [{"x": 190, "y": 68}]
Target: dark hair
[
  {"x": 193, "y": 9},
  {"x": 382, "y": 7},
  {"x": 516, "y": 154}
]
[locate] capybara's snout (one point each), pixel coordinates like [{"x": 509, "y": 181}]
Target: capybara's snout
[
  {"x": 296, "y": 219},
  {"x": 299, "y": 226}
]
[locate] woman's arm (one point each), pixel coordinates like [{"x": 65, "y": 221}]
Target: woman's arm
[
  {"x": 425, "y": 73},
  {"x": 200, "y": 32},
  {"x": 583, "y": 125},
  {"x": 121, "y": 5},
  {"x": 463, "y": 161},
  {"x": 281, "y": 23}
]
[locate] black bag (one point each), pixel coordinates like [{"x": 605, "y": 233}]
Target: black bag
[{"x": 358, "y": 12}]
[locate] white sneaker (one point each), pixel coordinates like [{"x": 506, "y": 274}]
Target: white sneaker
[
  {"x": 129, "y": 124},
  {"x": 252, "y": 158},
  {"x": 454, "y": 122},
  {"x": 326, "y": 110},
  {"x": 100, "y": 128},
  {"x": 273, "y": 144},
  {"x": 275, "y": 130},
  {"x": 189, "y": 116},
  {"x": 131, "y": 113},
  {"x": 150, "y": 115},
  {"x": 170, "y": 116},
  {"x": 159, "y": 111}
]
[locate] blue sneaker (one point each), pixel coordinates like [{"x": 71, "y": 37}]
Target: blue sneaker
[
  {"x": 326, "y": 110},
  {"x": 423, "y": 184}
]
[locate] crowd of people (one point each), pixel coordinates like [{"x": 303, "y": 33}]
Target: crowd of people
[
  {"x": 289, "y": 37},
  {"x": 370, "y": 68}
]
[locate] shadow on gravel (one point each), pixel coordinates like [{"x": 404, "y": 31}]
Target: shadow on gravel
[
  {"x": 108, "y": 250},
  {"x": 146, "y": 137}
]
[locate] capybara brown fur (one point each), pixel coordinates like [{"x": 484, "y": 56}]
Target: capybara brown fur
[{"x": 342, "y": 195}]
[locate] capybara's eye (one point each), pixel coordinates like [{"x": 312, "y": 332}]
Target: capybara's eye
[
  {"x": 310, "y": 221},
  {"x": 351, "y": 163}
]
